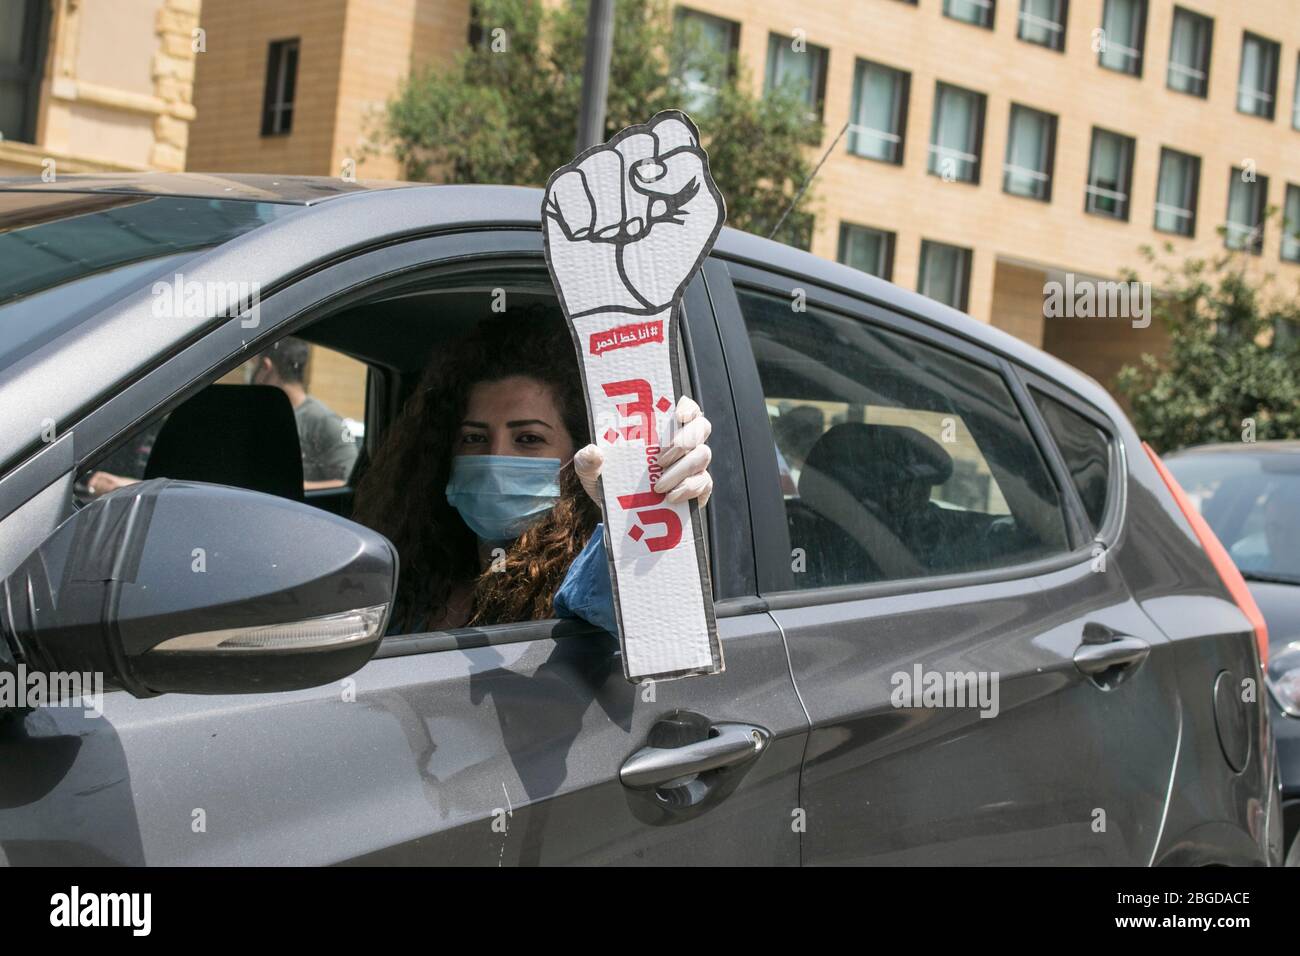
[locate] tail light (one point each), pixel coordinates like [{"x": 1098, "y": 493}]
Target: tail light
[{"x": 1232, "y": 578}]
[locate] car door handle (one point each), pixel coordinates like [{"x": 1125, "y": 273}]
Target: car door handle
[
  {"x": 1121, "y": 651},
  {"x": 728, "y": 745}
]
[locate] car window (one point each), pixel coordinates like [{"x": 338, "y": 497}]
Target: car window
[
  {"x": 1086, "y": 450},
  {"x": 1252, "y": 502},
  {"x": 897, "y": 459},
  {"x": 291, "y": 402},
  {"x": 407, "y": 351}
]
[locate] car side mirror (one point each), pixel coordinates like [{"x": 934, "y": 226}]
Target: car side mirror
[{"x": 179, "y": 586}]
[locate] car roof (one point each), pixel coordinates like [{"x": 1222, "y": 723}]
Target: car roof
[
  {"x": 254, "y": 187},
  {"x": 521, "y": 206},
  {"x": 338, "y": 218}
]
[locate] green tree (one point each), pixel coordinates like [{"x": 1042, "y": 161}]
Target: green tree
[
  {"x": 1233, "y": 365},
  {"x": 505, "y": 109}
]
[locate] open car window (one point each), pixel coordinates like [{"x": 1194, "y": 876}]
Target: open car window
[{"x": 308, "y": 418}]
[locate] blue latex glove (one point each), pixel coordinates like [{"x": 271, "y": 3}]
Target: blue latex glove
[{"x": 587, "y": 591}]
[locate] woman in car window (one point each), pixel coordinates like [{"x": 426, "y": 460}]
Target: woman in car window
[{"x": 482, "y": 487}]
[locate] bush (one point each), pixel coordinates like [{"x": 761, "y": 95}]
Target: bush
[
  {"x": 1233, "y": 366},
  {"x": 506, "y": 109}
]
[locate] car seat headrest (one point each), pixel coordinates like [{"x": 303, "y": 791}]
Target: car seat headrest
[
  {"x": 240, "y": 435},
  {"x": 863, "y": 459}
]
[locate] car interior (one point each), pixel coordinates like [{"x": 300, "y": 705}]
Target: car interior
[
  {"x": 246, "y": 436},
  {"x": 239, "y": 435},
  {"x": 1238, "y": 507}
]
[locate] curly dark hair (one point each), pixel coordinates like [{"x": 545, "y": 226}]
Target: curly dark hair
[{"x": 402, "y": 494}]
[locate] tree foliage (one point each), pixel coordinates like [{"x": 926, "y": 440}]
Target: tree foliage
[
  {"x": 1232, "y": 371},
  {"x": 505, "y": 110}
]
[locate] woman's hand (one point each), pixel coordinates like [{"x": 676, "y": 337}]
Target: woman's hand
[{"x": 685, "y": 460}]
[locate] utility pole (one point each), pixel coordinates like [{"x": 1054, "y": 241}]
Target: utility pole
[{"x": 595, "y": 73}]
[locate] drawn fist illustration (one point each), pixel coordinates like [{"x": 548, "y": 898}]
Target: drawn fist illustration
[{"x": 628, "y": 223}]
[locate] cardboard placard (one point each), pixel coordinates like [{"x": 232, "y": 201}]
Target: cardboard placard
[{"x": 627, "y": 225}]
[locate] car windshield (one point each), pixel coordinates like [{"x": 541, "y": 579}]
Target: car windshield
[
  {"x": 66, "y": 256},
  {"x": 1252, "y": 501}
]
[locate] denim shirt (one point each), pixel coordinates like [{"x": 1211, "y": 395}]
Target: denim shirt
[{"x": 587, "y": 591}]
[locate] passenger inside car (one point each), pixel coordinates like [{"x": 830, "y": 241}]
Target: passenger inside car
[
  {"x": 1274, "y": 547},
  {"x": 864, "y": 494},
  {"x": 328, "y": 448},
  {"x": 323, "y": 439},
  {"x": 483, "y": 489},
  {"x": 474, "y": 469},
  {"x": 866, "y": 509}
]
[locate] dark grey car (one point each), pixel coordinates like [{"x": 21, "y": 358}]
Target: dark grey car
[{"x": 961, "y": 609}]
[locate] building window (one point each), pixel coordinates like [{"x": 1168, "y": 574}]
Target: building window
[
  {"x": 978, "y": 12},
  {"x": 1257, "y": 85},
  {"x": 705, "y": 52},
  {"x": 1247, "y": 194},
  {"x": 23, "y": 38},
  {"x": 1043, "y": 22},
  {"x": 1031, "y": 149},
  {"x": 1291, "y": 224},
  {"x": 803, "y": 70},
  {"x": 1295, "y": 99},
  {"x": 956, "y": 133},
  {"x": 879, "y": 112},
  {"x": 869, "y": 250},
  {"x": 945, "y": 273},
  {"x": 1180, "y": 176},
  {"x": 1189, "y": 53},
  {"x": 281, "y": 80},
  {"x": 1110, "y": 174},
  {"x": 1123, "y": 36}
]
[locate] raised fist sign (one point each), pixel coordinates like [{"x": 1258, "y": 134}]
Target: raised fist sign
[{"x": 628, "y": 223}]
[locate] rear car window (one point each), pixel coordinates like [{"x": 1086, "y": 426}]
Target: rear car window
[
  {"x": 67, "y": 256},
  {"x": 897, "y": 459},
  {"x": 1086, "y": 450}
]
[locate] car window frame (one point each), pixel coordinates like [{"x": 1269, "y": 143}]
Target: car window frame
[
  {"x": 405, "y": 263},
  {"x": 766, "y": 500}
]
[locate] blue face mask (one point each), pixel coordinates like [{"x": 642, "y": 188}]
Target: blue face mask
[{"x": 500, "y": 496}]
